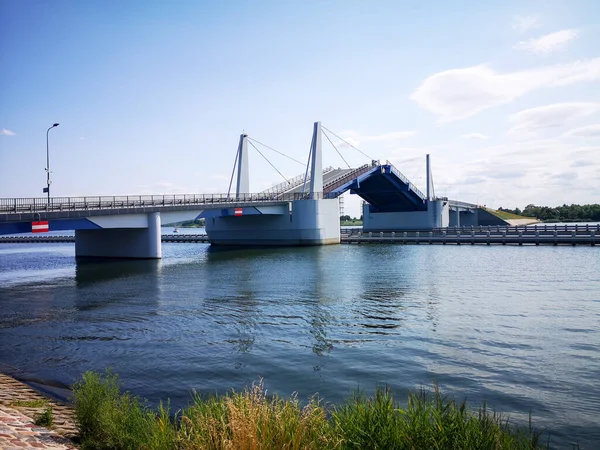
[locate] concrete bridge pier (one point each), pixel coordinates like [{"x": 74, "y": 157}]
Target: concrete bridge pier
[
  {"x": 309, "y": 219},
  {"x": 128, "y": 236}
]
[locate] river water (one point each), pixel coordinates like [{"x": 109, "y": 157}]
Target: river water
[{"x": 518, "y": 327}]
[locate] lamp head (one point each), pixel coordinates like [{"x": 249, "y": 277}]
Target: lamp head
[{"x": 55, "y": 125}]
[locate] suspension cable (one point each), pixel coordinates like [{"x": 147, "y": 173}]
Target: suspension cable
[
  {"x": 409, "y": 159},
  {"x": 417, "y": 171},
  {"x": 338, "y": 152},
  {"x": 348, "y": 143},
  {"x": 268, "y": 161},
  {"x": 232, "y": 172},
  {"x": 276, "y": 151},
  {"x": 307, "y": 166}
]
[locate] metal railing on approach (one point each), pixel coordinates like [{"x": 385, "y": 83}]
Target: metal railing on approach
[
  {"x": 26, "y": 205},
  {"x": 343, "y": 179},
  {"x": 540, "y": 228},
  {"x": 292, "y": 183},
  {"x": 411, "y": 186}
]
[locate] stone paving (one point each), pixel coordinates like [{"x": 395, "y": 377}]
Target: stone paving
[
  {"x": 18, "y": 432},
  {"x": 19, "y": 405}
]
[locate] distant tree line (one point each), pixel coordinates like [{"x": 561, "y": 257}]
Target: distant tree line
[
  {"x": 350, "y": 219},
  {"x": 564, "y": 213}
]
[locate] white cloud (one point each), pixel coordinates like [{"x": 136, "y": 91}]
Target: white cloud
[
  {"x": 587, "y": 152},
  {"x": 548, "y": 43},
  {"x": 565, "y": 176},
  {"x": 582, "y": 163},
  {"x": 459, "y": 93},
  {"x": 6, "y": 132},
  {"x": 390, "y": 136},
  {"x": 474, "y": 136},
  {"x": 509, "y": 174},
  {"x": 589, "y": 131},
  {"x": 163, "y": 187},
  {"x": 550, "y": 116},
  {"x": 355, "y": 138},
  {"x": 525, "y": 23}
]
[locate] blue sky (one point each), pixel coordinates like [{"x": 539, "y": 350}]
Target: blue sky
[{"x": 151, "y": 96}]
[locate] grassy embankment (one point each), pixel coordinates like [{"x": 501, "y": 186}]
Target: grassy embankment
[
  {"x": 506, "y": 215},
  {"x": 351, "y": 223},
  {"x": 110, "y": 419}
]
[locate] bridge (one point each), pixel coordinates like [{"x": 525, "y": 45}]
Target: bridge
[{"x": 301, "y": 211}]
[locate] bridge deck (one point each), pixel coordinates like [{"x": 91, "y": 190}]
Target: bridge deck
[
  {"x": 29, "y": 209},
  {"x": 383, "y": 187},
  {"x": 329, "y": 177}
]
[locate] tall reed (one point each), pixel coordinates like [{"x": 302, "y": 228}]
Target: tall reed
[{"x": 110, "y": 419}]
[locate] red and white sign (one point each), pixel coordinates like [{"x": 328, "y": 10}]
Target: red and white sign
[
  {"x": 238, "y": 212},
  {"x": 39, "y": 227}
]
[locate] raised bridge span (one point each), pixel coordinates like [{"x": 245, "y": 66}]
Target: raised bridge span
[{"x": 302, "y": 211}]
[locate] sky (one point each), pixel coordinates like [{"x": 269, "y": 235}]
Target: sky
[{"x": 152, "y": 96}]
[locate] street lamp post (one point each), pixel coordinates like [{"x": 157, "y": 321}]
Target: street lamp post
[{"x": 47, "y": 189}]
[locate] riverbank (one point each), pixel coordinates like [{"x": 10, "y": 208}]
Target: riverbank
[
  {"x": 20, "y": 408},
  {"x": 110, "y": 418},
  {"x": 251, "y": 418}
]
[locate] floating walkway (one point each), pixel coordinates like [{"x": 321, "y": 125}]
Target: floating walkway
[
  {"x": 536, "y": 235},
  {"x": 488, "y": 235}
]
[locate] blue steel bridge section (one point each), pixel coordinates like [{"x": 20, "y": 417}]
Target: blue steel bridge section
[{"x": 384, "y": 187}]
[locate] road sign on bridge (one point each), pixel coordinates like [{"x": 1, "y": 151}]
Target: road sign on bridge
[{"x": 39, "y": 227}]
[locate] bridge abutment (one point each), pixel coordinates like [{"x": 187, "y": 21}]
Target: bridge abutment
[
  {"x": 309, "y": 222},
  {"x": 437, "y": 215},
  {"x": 114, "y": 242}
]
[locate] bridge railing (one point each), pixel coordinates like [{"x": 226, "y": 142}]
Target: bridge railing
[
  {"x": 41, "y": 204},
  {"x": 406, "y": 181},
  {"x": 540, "y": 228},
  {"x": 292, "y": 183},
  {"x": 343, "y": 179},
  {"x": 460, "y": 204}
]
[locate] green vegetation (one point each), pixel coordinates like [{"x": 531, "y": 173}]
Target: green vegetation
[
  {"x": 564, "y": 213},
  {"x": 430, "y": 421},
  {"x": 110, "y": 419},
  {"x": 30, "y": 403},
  {"x": 505, "y": 215},
  {"x": 45, "y": 419},
  {"x": 346, "y": 221}
]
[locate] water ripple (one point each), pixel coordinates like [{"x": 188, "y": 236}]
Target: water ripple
[{"x": 515, "y": 326}]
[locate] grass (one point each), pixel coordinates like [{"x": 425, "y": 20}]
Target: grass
[
  {"x": 30, "y": 403},
  {"x": 429, "y": 421},
  {"x": 351, "y": 223},
  {"x": 45, "y": 419},
  {"x": 251, "y": 419},
  {"x": 506, "y": 215}
]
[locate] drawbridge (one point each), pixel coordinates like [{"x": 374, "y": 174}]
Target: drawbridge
[
  {"x": 383, "y": 186},
  {"x": 392, "y": 201}
]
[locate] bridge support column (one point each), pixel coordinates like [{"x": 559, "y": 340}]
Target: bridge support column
[
  {"x": 243, "y": 173},
  {"x": 316, "y": 166},
  {"x": 135, "y": 243}
]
